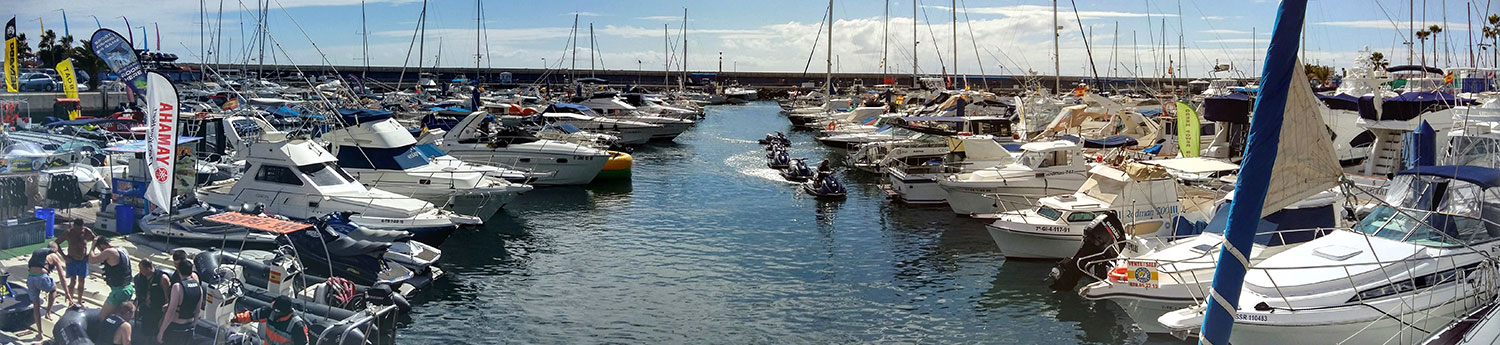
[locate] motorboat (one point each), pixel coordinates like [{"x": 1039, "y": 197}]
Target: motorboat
[
  {"x": 298, "y": 179},
  {"x": 913, "y": 170},
  {"x": 741, "y": 93},
  {"x": 614, "y": 108},
  {"x": 472, "y": 139},
  {"x": 1145, "y": 200},
  {"x": 381, "y": 153},
  {"x": 628, "y": 132},
  {"x": 1041, "y": 169},
  {"x": 1185, "y": 265},
  {"x": 362, "y": 262},
  {"x": 1419, "y": 260}
]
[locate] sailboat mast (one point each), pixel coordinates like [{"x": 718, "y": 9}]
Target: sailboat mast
[
  {"x": 591, "y": 50},
  {"x": 885, "y": 42},
  {"x": 954, "y": 5},
  {"x": 666, "y": 52},
  {"x": 574, "y": 70},
  {"x": 916, "y": 80},
  {"x": 478, "y": 53},
  {"x": 364, "y": 30},
  {"x": 682, "y": 83},
  {"x": 828, "y": 79},
  {"x": 421, "y": 43},
  {"x": 1056, "y": 53}
]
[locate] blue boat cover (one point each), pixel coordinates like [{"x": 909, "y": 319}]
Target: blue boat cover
[
  {"x": 1405, "y": 68},
  {"x": 568, "y": 128},
  {"x": 85, "y": 122},
  {"x": 439, "y": 122},
  {"x": 1483, "y": 176},
  {"x": 1150, "y": 112},
  {"x": 1231, "y": 108},
  {"x": 1409, "y": 105},
  {"x": 1108, "y": 142},
  {"x": 568, "y": 108},
  {"x": 1285, "y": 221},
  {"x": 353, "y": 117},
  {"x": 1340, "y": 102}
]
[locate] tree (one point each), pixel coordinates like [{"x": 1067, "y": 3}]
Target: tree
[
  {"x": 1320, "y": 74},
  {"x": 1377, "y": 60},
  {"x": 23, "y": 50},
  {"x": 1494, "y": 37},
  {"x": 85, "y": 60},
  {"x": 1422, "y": 36},
  {"x": 1433, "y": 31}
]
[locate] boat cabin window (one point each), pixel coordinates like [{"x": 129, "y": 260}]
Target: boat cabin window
[
  {"x": 277, "y": 174},
  {"x": 1045, "y": 159},
  {"x": 1079, "y": 217},
  {"x": 326, "y": 174},
  {"x": 1048, "y": 212},
  {"x": 996, "y": 128},
  {"x": 246, "y": 129},
  {"x": 398, "y": 158},
  {"x": 430, "y": 150},
  {"x": 1460, "y": 216}
]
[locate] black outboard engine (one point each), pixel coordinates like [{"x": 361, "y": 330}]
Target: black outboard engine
[{"x": 1099, "y": 248}]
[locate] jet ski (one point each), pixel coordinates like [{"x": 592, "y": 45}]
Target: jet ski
[
  {"x": 797, "y": 171},
  {"x": 404, "y": 249},
  {"x": 778, "y": 160},
  {"x": 186, "y": 224},
  {"x": 825, "y": 186},
  {"x": 775, "y": 138}
]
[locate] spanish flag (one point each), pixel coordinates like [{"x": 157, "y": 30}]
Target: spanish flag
[
  {"x": 232, "y": 104},
  {"x": 1448, "y": 79}
]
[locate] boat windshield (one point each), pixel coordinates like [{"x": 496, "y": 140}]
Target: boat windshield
[
  {"x": 1458, "y": 217},
  {"x": 431, "y": 150},
  {"x": 326, "y": 174},
  {"x": 1043, "y": 159},
  {"x": 1048, "y": 212},
  {"x": 398, "y": 158}
]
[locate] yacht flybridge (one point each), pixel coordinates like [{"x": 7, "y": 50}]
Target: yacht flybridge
[
  {"x": 381, "y": 153},
  {"x": 479, "y": 138},
  {"x": 298, "y": 179},
  {"x": 1418, "y": 261}
]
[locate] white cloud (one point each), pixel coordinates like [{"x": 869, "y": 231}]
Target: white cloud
[
  {"x": 1386, "y": 25},
  {"x": 1226, "y": 31}
]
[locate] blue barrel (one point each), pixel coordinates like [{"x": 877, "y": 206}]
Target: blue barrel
[
  {"x": 124, "y": 218},
  {"x": 48, "y": 215}
]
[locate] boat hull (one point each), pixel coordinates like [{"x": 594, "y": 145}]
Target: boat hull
[
  {"x": 917, "y": 189},
  {"x": 556, "y": 170},
  {"x": 1025, "y": 245}
]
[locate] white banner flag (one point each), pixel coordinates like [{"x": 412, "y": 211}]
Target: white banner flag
[{"x": 161, "y": 139}]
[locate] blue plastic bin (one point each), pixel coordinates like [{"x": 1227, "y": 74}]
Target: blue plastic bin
[
  {"x": 48, "y": 215},
  {"x": 124, "y": 219}
]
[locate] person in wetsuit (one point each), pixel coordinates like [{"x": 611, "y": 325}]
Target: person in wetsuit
[
  {"x": 153, "y": 286},
  {"x": 116, "y": 328},
  {"x": 116, "y": 274},
  {"x": 279, "y": 323},
  {"x": 43, "y": 262},
  {"x": 184, "y": 307}
]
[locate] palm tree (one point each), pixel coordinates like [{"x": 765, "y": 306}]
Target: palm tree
[
  {"x": 1433, "y": 31},
  {"x": 1494, "y": 20},
  {"x": 1377, "y": 60},
  {"x": 1422, "y": 36}
]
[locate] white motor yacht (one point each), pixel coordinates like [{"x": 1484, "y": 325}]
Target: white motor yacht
[
  {"x": 616, "y": 109},
  {"x": 914, "y": 176},
  {"x": 477, "y": 138},
  {"x": 382, "y": 154},
  {"x": 1144, "y": 202},
  {"x": 627, "y": 132},
  {"x": 1185, "y": 266},
  {"x": 298, "y": 179},
  {"x": 1418, "y": 261},
  {"x": 1042, "y": 169}
]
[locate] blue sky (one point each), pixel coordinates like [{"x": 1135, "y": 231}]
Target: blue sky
[{"x": 1011, "y": 37}]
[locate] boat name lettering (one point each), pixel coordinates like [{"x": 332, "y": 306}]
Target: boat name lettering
[
  {"x": 397, "y": 221},
  {"x": 1248, "y": 317},
  {"x": 1051, "y": 229}
]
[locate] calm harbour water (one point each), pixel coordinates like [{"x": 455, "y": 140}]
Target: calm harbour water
[{"x": 707, "y": 245}]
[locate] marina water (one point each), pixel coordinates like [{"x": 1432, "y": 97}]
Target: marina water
[{"x": 707, "y": 245}]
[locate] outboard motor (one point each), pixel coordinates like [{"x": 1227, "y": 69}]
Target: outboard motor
[
  {"x": 1098, "y": 249},
  {"x": 224, "y": 285}
]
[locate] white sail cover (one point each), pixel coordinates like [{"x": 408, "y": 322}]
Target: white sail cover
[
  {"x": 161, "y": 139},
  {"x": 1305, "y": 162}
]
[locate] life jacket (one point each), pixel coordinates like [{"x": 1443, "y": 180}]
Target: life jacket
[
  {"x": 39, "y": 258},
  {"x": 192, "y": 299},
  {"x": 280, "y": 333},
  {"x": 118, "y": 275},
  {"x": 104, "y": 332}
]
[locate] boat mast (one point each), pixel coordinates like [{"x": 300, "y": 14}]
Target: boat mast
[
  {"x": 364, "y": 30},
  {"x": 591, "y": 50},
  {"x": 666, "y": 52},
  {"x": 682, "y": 83},
  {"x": 916, "y": 80},
  {"x": 954, "y": 7},
  {"x": 1256, "y": 169},
  {"x": 1056, "y": 54},
  {"x": 478, "y": 53},
  {"x": 573, "y": 71},
  {"x": 885, "y": 42},
  {"x": 828, "y": 79}
]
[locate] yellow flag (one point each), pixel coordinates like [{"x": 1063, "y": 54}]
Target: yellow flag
[
  {"x": 1187, "y": 131},
  {"x": 70, "y": 84},
  {"x": 12, "y": 58}
]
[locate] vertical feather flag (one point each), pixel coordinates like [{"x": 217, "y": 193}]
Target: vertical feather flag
[{"x": 1187, "y": 131}]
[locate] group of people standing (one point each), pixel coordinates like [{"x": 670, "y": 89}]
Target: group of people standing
[{"x": 167, "y": 303}]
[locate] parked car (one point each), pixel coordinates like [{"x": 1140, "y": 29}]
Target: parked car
[{"x": 38, "y": 82}]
